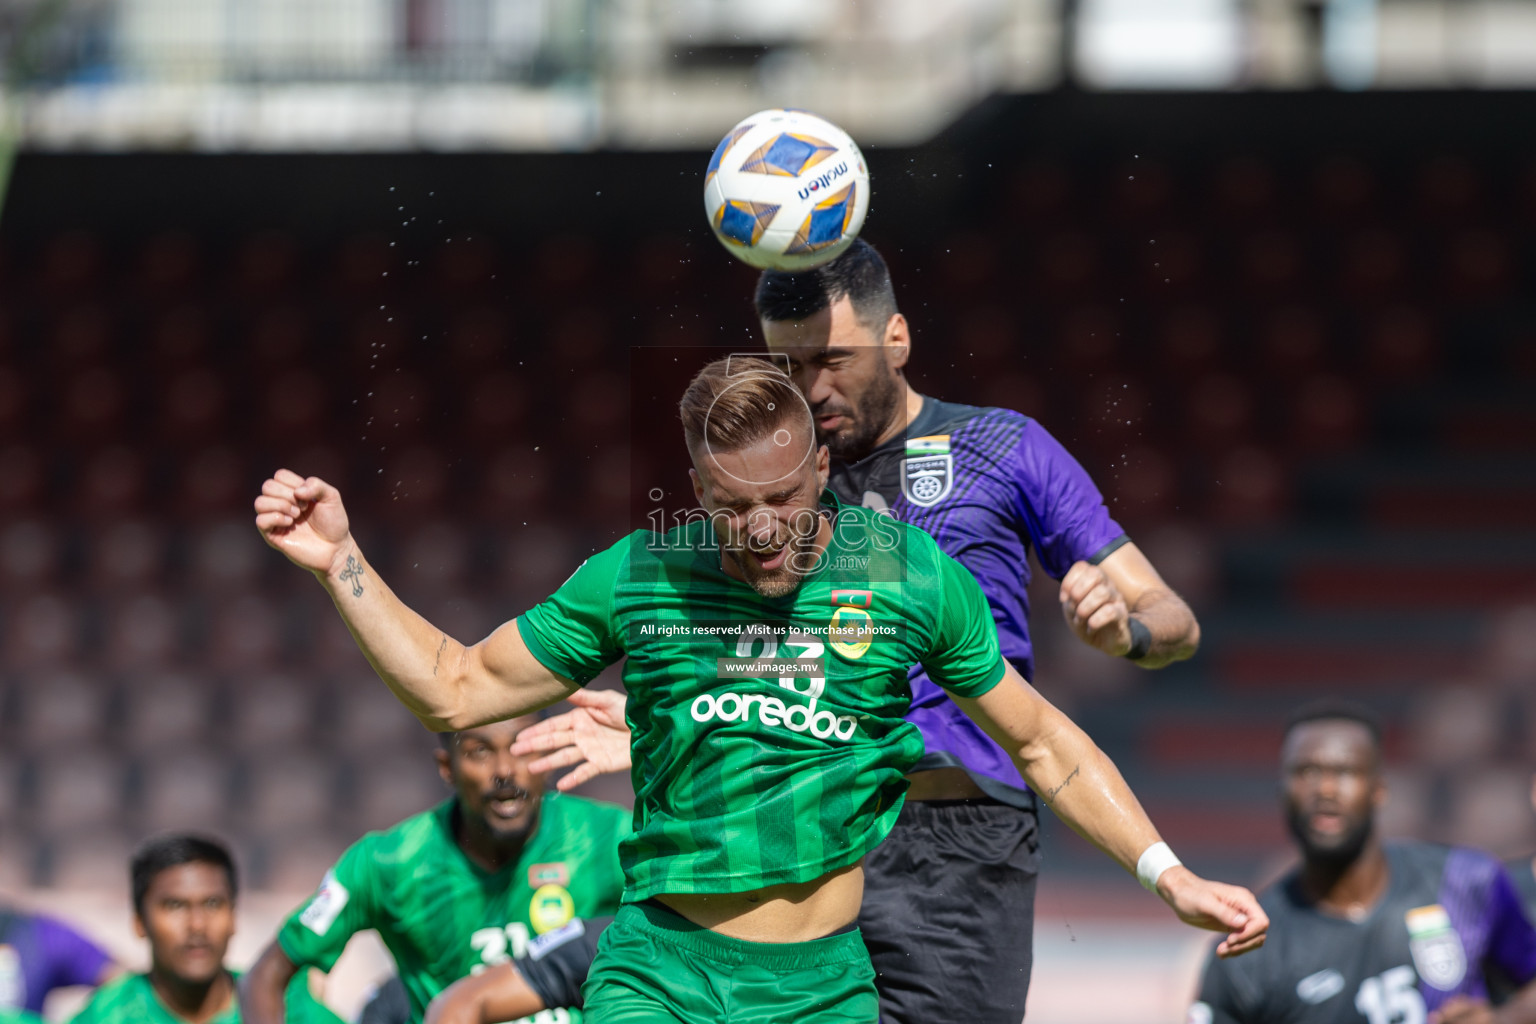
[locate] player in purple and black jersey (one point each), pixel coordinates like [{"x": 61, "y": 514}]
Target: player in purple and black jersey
[
  {"x": 39, "y": 954},
  {"x": 989, "y": 485},
  {"x": 1366, "y": 931}
]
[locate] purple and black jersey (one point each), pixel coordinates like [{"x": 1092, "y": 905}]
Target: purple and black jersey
[
  {"x": 1449, "y": 922},
  {"x": 988, "y": 485},
  {"x": 1523, "y": 871},
  {"x": 38, "y": 955}
]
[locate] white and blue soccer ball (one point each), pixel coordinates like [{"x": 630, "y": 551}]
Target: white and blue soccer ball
[{"x": 786, "y": 190}]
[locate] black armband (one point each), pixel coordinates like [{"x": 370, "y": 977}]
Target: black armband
[
  {"x": 557, "y": 962},
  {"x": 1141, "y": 639}
]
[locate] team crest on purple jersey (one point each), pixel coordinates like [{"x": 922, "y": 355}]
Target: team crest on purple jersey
[
  {"x": 928, "y": 472},
  {"x": 1438, "y": 954}
]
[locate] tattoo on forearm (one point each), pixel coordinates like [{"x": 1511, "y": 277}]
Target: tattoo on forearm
[
  {"x": 1051, "y": 796},
  {"x": 353, "y": 574},
  {"x": 440, "y": 649}
]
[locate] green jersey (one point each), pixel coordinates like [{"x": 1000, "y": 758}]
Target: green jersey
[
  {"x": 442, "y": 916},
  {"x": 10, "y": 1016},
  {"x": 769, "y": 738},
  {"x": 132, "y": 998}
]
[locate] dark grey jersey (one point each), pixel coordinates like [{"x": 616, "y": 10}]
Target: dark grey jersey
[{"x": 1449, "y": 918}]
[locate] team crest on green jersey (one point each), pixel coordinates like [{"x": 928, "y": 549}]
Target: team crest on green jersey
[
  {"x": 851, "y": 628},
  {"x": 549, "y": 874},
  {"x": 550, "y": 908}
]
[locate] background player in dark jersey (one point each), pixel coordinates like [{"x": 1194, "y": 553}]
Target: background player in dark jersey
[
  {"x": 459, "y": 888},
  {"x": 550, "y": 974},
  {"x": 1523, "y": 871},
  {"x": 39, "y": 954},
  {"x": 184, "y": 890},
  {"x": 1397, "y": 933},
  {"x": 988, "y": 485}
]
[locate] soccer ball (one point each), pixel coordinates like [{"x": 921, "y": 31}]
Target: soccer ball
[{"x": 786, "y": 190}]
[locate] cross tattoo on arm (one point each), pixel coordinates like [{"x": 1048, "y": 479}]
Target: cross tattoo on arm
[{"x": 353, "y": 574}]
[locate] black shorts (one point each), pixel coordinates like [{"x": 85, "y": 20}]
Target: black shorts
[{"x": 949, "y": 912}]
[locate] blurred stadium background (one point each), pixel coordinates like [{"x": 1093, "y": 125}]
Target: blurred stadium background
[{"x": 1264, "y": 266}]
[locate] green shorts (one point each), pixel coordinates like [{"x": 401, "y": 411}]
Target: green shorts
[{"x": 655, "y": 967}]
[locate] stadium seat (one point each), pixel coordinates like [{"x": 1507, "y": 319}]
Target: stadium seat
[
  {"x": 245, "y": 634},
  {"x": 214, "y": 481},
  {"x": 1066, "y": 265},
  {"x": 287, "y": 790},
  {"x": 225, "y": 554},
  {"x": 1293, "y": 343},
  {"x": 267, "y": 711},
  {"x": 126, "y": 555},
  {"x": 169, "y": 264},
  {"x": 363, "y": 263},
  {"x": 1491, "y": 810},
  {"x": 295, "y": 409},
  {"x": 294, "y": 863},
  {"x": 53, "y": 707},
  {"x": 280, "y": 338},
  {"x": 14, "y": 399},
  {"x": 42, "y": 630},
  {"x": 1326, "y": 415},
  {"x": 1448, "y": 188},
  {"x": 265, "y": 263},
  {"x": 1455, "y": 725},
  {"x": 110, "y": 484},
  {"x": 142, "y": 631},
  {"x": 166, "y": 711},
  {"x": 77, "y": 788},
  {"x": 1344, "y": 188},
  {"x": 186, "y": 788},
  {"x": 29, "y": 556},
  {"x": 387, "y": 788},
  {"x": 71, "y": 262},
  {"x": 92, "y": 404},
  {"x": 466, "y": 264},
  {"x": 1248, "y": 488},
  {"x": 1374, "y": 263},
  {"x": 1272, "y": 263},
  {"x": 23, "y": 484},
  {"x": 368, "y": 718},
  {"x": 1401, "y": 347},
  {"x": 90, "y": 859},
  {"x": 1243, "y": 188},
  {"x": 1478, "y": 265}
]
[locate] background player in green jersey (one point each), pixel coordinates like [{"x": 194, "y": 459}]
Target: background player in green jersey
[
  {"x": 184, "y": 890},
  {"x": 459, "y": 888},
  {"x": 764, "y": 767}
]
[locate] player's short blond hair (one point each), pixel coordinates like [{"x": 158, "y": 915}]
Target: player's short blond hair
[{"x": 735, "y": 401}]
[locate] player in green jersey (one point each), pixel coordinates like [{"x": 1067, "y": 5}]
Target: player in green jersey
[
  {"x": 184, "y": 892},
  {"x": 461, "y": 887},
  {"x": 767, "y": 647}
]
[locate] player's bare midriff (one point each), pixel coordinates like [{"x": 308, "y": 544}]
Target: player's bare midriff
[
  {"x": 942, "y": 784},
  {"x": 792, "y": 912}
]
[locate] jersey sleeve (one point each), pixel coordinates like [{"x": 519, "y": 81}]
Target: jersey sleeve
[
  {"x": 557, "y": 962},
  {"x": 316, "y": 933},
  {"x": 1512, "y": 939},
  {"x": 1066, "y": 516},
  {"x": 72, "y": 958},
  {"x": 572, "y": 632},
  {"x": 1219, "y": 1001},
  {"x": 964, "y": 658}
]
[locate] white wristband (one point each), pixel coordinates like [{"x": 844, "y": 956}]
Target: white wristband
[{"x": 1154, "y": 860}]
